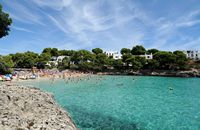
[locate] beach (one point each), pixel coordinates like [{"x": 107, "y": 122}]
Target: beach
[{"x": 49, "y": 74}]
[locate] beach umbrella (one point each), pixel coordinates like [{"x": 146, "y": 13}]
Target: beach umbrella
[
  {"x": 8, "y": 79},
  {"x": 33, "y": 77},
  {"x": 8, "y": 75}
]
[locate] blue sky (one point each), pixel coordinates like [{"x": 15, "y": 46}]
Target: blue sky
[{"x": 108, "y": 24}]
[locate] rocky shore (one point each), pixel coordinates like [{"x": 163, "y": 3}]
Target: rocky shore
[
  {"x": 184, "y": 74},
  {"x": 25, "y": 108},
  {"x": 163, "y": 73}
]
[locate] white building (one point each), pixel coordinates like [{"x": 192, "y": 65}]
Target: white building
[
  {"x": 60, "y": 58},
  {"x": 55, "y": 60},
  {"x": 147, "y": 56},
  {"x": 192, "y": 54},
  {"x": 115, "y": 55}
]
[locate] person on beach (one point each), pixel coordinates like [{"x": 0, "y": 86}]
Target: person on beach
[{"x": 53, "y": 79}]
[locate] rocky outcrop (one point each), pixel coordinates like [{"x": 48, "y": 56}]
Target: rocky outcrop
[
  {"x": 164, "y": 73},
  {"x": 25, "y": 108},
  {"x": 171, "y": 73}
]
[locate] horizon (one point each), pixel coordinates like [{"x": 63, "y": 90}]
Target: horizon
[{"x": 110, "y": 25}]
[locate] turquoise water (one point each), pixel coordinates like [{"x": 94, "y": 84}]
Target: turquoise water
[{"x": 128, "y": 102}]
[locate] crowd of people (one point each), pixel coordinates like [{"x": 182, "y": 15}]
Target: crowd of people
[{"x": 41, "y": 74}]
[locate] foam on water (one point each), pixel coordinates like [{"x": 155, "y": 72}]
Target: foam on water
[{"x": 127, "y": 102}]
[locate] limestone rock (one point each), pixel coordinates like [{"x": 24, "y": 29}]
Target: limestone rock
[{"x": 25, "y": 108}]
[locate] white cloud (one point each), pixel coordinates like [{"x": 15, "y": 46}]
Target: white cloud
[
  {"x": 58, "y": 24},
  {"x": 81, "y": 20},
  {"x": 167, "y": 29},
  {"x": 22, "y": 29},
  {"x": 23, "y": 14},
  {"x": 105, "y": 23},
  {"x": 189, "y": 23},
  {"x": 53, "y": 4},
  {"x": 193, "y": 44}
]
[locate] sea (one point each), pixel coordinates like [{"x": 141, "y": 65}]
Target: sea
[{"x": 127, "y": 102}]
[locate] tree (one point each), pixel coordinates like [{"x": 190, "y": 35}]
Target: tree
[
  {"x": 64, "y": 64},
  {"x": 125, "y": 51},
  {"x": 6, "y": 64},
  {"x": 138, "y": 50},
  {"x": 101, "y": 59},
  {"x": 5, "y": 22},
  {"x": 97, "y": 51},
  {"x": 51, "y": 51},
  {"x": 136, "y": 64},
  {"x": 86, "y": 66},
  {"x": 25, "y": 60},
  {"x": 54, "y": 52},
  {"x": 89, "y": 57},
  {"x": 152, "y": 64},
  {"x": 165, "y": 59},
  {"x": 126, "y": 59},
  {"x": 118, "y": 64},
  {"x": 44, "y": 57},
  {"x": 42, "y": 60},
  {"x": 46, "y": 50},
  {"x": 66, "y": 52},
  {"x": 7, "y": 60},
  {"x": 82, "y": 56},
  {"x": 140, "y": 59},
  {"x": 76, "y": 57},
  {"x": 4, "y": 69},
  {"x": 85, "y": 55},
  {"x": 152, "y": 51},
  {"x": 181, "y": 60}
]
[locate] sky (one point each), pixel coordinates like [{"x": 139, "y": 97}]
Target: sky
[{"x": 108, "y": 24}]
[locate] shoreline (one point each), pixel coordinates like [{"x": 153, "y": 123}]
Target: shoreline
[
  {"x": 160, "y": 73},
  {"x": 70, "y": 74}
]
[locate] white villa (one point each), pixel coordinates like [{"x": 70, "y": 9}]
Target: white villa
[
  {"x": 55, "y": 60},
  {"x": 147, "y": 56},
  {"x": 192, "y": 54},
  {"x": 115, "y": 55}
]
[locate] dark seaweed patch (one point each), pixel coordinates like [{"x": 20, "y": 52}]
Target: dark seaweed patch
[{"x": 85, "y": 119}]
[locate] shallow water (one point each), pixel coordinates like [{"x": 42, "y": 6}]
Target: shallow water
[{"x": 128, "y": 102}]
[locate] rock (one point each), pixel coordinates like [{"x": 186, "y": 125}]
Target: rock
[{"x": 25, "y": 108}]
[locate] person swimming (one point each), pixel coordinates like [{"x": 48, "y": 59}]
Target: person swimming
[
  {"x": 170, "y": 88},
  {"x": 120, "y": 84}
]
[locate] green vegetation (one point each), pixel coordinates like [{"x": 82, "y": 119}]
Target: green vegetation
[
  {"x": 138, "y": 50},
  {"x": 5, "y": 22},
  {"x": 97, "y": 61},
  {"x": 152, "y": 51},
  {"x": 6, "y": 64}
]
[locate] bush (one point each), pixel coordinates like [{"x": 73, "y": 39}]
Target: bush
[{"x": 4, "y": 69}]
